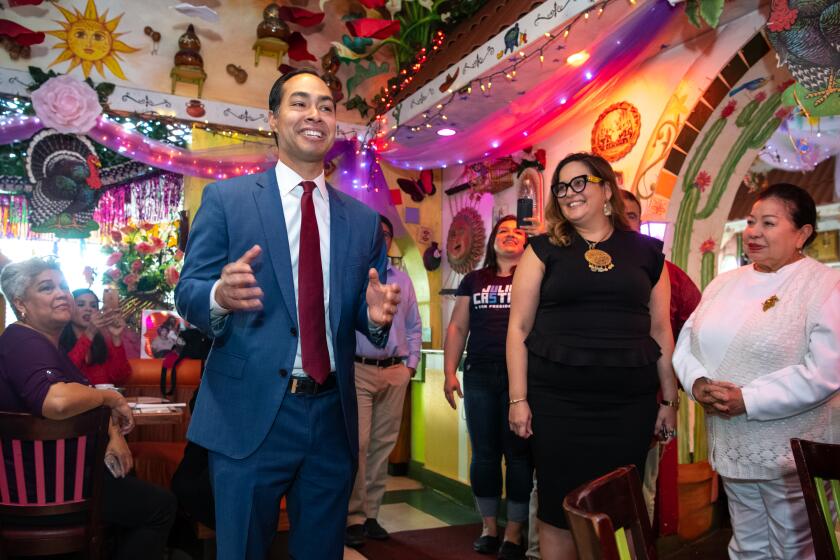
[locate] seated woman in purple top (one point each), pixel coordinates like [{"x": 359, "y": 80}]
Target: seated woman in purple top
[{"x": 38, "y": 378}]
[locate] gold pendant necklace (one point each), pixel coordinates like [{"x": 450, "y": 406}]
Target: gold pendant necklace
[{"x": 599, "y": 260}]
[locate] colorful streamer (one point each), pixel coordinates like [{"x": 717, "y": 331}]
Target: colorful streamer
[{"x": 151, "y": 199}]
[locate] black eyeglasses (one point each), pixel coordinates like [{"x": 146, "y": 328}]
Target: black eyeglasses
[{"x": 577, "y": 184}]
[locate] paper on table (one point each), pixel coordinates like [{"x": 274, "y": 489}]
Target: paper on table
[{"x": 150, "y": 407}]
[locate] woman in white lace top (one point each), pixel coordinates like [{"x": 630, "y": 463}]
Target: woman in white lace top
[{"x": 761, "y": 355}]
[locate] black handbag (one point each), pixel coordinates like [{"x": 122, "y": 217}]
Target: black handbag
[{"x": 196, "y": 346}]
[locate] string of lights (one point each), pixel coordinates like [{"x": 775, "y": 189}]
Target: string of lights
[{"x": 378, "y": 129}]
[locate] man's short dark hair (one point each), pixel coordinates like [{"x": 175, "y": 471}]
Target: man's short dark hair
[
  {"x": 388, "y": 224},
  {"x": 276, "y": 93}
]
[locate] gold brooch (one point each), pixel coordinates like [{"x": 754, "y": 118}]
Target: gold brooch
[{"x": 769, "y": 302}]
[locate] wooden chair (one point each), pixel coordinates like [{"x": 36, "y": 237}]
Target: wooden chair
[
  {"x": 75, "y": 448},
  {"x": 818, "y": 465},
  {"x": 608, "y": 518}
]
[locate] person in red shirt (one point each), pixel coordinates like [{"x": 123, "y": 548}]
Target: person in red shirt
[
  {"x": 93, "y": 340},
  {"x": 660, "y": 478}
]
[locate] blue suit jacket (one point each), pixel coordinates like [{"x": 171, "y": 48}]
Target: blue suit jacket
[{"x": 244, "y": 382}]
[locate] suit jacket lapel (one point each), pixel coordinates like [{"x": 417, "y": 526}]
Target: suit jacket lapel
[
  {"x": 339, "y": 233},
  {"x": 270, "y": 211}
]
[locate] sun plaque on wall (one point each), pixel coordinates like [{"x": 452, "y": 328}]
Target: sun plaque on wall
[
  {"x": 90, "y": 41},
  {"x": 465, "y": 241},
  {"x": 616, "y": 131}
]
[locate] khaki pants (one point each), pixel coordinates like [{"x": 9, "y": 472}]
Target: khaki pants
[{"x": 380, "y": 393}]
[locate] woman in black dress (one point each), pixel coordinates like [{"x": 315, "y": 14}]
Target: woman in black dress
[{"x": 589, "y": 343}]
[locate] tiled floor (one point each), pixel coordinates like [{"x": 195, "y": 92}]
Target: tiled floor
[{"x": 408, "y": 506}]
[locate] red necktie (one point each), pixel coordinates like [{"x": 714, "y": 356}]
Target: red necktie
[{"x": 313, "y": 332}]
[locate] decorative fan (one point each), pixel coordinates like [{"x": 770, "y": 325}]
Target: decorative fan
[
  {"x": 419, "y": 188},
  {"x": 492, "y": 177},
  {"x": 465, "y": 240}
]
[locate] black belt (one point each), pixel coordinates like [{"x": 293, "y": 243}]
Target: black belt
[
  {"x": 308, "y": 386},
  {"x": 383, "y": 363}
]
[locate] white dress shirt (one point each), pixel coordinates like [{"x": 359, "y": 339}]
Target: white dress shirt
[{"x": 291, "y": 192}]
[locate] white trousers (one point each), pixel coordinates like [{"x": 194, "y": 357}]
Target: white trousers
[
  {"x": 380, "y": 393},
  {"x": 769, "y": 519}
]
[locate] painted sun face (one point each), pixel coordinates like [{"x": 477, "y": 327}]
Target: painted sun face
[{"x": 90, "y": 41}]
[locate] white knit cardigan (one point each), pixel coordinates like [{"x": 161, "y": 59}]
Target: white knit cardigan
[{"x": 768, "y": 341}]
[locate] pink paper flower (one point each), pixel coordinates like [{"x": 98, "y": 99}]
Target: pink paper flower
[
  {"x": 114, "y": 273},
  {"x": 145, "y": 248},
  {"x": 157, "y": 243},
  {"x": 116, "y": 236},
  {"x": 702, "y": 181},
  {"x": 137, "y": 265},
  {"x": 114, "y": 258},
  {"x": 146, "y": 226},
  {"x": 179, "y": 255},
  {"x": 67, "y": 105},
  {"x": 172, "y": 275}
]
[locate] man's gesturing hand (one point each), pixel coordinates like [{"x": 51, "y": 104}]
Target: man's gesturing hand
[
  {"x": 382, "y": 299},
  {"x": 237, "y": 289}
]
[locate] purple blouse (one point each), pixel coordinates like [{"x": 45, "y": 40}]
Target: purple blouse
[{"x": 29, "y": 365}]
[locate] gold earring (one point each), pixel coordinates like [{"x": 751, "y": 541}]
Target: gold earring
[{"x": 607, "y": 208}]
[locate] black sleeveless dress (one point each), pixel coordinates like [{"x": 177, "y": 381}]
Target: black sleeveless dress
[{"x": 592, "y": 378}]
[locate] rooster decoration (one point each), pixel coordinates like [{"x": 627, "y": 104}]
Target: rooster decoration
[
  {"x": 65, "y": 185},
  {"x": 806, "y": 36}
]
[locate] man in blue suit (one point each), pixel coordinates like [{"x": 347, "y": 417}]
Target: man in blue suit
[{"x": 281, "y": 269}]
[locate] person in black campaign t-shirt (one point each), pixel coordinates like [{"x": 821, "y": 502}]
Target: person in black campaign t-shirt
[
  {"x": 489, "y": 303},
  {"x": 482, "y": 308}
]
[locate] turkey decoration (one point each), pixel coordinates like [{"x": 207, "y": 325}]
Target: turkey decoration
[
  {"x": 65, "y": 186},
  {"x": 806, "y": 35}
]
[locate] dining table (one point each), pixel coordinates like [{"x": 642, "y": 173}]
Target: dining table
[{"x": 149, "y": 411}]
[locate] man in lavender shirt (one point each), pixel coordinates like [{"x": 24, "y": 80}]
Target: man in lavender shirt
[{"x": 382, "y": 375}]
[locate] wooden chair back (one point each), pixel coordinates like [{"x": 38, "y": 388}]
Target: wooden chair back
[
  {"x": 51, "y": 474},
  {"x": 608, "y": 518},
  {"x": 818, "y": 466}
]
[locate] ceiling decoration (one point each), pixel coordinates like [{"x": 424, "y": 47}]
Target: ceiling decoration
[{"x": 514, "y": 111}]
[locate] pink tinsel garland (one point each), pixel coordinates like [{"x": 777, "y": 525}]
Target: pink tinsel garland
[{"x": 151, "y": 199}]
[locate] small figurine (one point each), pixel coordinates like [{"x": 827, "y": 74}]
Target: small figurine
[
  {"x": 15, "y": 50},
  {"x": 330, "y": 63},
  {"x": 155, "y": 37},
  {"x": 238, "y": 73},
  {"x": 189, "y": 66},
  {"x": 272, "y": 35}
]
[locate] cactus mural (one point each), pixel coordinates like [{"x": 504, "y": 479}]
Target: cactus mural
[
  {"x": 707, "y": 262},
  {"x": 757, "y": 121}
]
